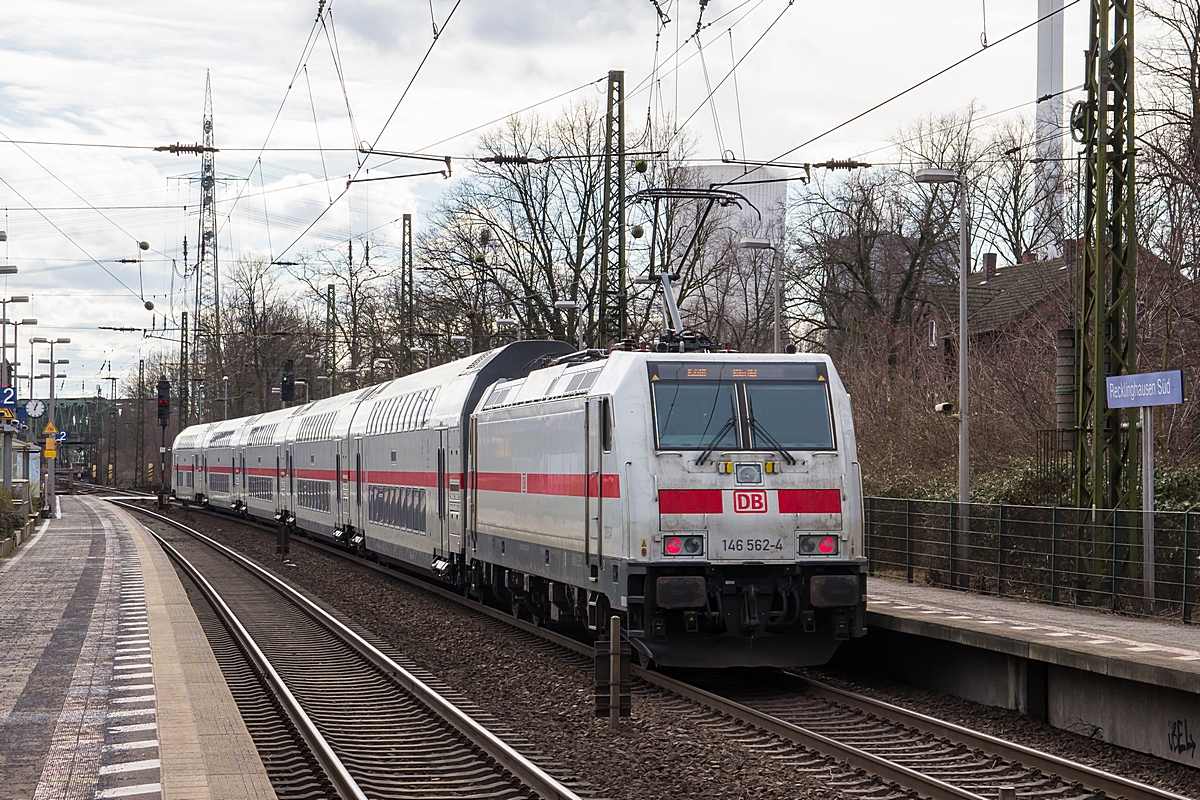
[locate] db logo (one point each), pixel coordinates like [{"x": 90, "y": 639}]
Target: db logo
[{"x": 750, "y": 502}]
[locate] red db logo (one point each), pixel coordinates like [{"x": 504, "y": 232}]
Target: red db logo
[{"x": 750, "y": 502}]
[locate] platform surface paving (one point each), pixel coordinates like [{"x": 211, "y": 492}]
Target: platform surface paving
[
  {"x": 1148, "y": 650},
  {"x": 108, "y": 687}
]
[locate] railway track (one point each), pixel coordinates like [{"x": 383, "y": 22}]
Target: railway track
[
  {"x": 355, "y": 722},
  {"x": 847, "y": 736}
]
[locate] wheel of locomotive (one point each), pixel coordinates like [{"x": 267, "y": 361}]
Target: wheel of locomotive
[{"x": 519, "y": 609}]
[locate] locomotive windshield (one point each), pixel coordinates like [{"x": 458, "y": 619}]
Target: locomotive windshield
[
  {"x": 795, "y": 415},
  {"x": 692, "y": 416},
  {"x": 772, "y": 406}
]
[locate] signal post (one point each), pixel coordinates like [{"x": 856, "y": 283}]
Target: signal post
[{"x": 164, "y": 419}]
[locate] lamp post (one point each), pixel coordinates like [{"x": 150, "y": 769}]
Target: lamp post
[
  {"x": 747, "y": 243},
  {"x": 571, "y": 305},
  {"x": 353, "y": 373},
  {"x": 51, "y": 500},
  {"x": 936, "y": 176},
  {"x": 464, "y": 340},
  {"x": 323, "y": 378},
  {"x": 389, "y": 363},
  {"x": 20, "y": 298},
  {"x": 225, "y": 380},
  {"x": 303, "y": 383},
  {"x": 419, "y": 350},
  {"x": 510, "y": 324}
]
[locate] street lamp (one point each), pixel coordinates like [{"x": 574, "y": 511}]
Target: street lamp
[
  {"x": 464, "y": 340},
  {"x": 389, "y": 363},
  {"x": 353, "y": 372},
  {"x": 964, "y": 267},
  {"x": 322, "y": 377},
  {"x": 303, "y": 383},
  {"x": 225, "y": 380},
  {"x": 20, "y": 298},
  {"x": 571, "y": 305},
  {"x": 51, "y": 501},
  {"x": 747, "y": 243},
  {"x": 421, "y": 351}
]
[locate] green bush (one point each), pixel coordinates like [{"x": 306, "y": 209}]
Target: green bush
[
  {"x": 1022, "y": 484},
  {"x": 1178, "y": 490},
  {"x": 10, "y": 517}
]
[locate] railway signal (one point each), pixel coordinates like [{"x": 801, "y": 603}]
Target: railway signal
[
  {"x": 164, "y": 402},
  {"x": 287, "y": 384}
]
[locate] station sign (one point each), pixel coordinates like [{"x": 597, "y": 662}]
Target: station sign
[
  {"x": 61, "y": 437},
  {"x": 8, "y": 397},
  {"x": 1145, "y": 389}
]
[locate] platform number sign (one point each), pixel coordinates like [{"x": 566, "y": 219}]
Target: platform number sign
[
  {"x": 8, "y": 397},
  {"x": 61, "y": 436}
]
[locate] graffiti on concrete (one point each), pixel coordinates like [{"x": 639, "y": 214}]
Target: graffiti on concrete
[{"x": 1180, "y": 740}]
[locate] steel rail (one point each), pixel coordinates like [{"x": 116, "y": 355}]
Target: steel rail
[
  {"x": 1070, "y": 771},
  {"x": 887, "y": 770},
  {"x": 346, "y": 786},
  {"x": 505, "y": 756}
]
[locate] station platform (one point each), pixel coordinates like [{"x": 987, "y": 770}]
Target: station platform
[
  {"x": 108, "y": 687},
  {"x": 1132, "y": 681}
]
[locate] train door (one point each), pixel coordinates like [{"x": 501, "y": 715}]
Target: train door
[
  {"x": 454, "y": 490},
  {"x": 357, "y": 513},
  {"x": 278, "y": 479},
  {"x": 440, "y": 542},
  {"x": 593, "y": 471},
  {"x": 195, "y": 474},
  {"x": 337, "y": 486}
]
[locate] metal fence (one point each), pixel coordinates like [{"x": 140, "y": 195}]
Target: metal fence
[{"x": 1070, "y": 556}]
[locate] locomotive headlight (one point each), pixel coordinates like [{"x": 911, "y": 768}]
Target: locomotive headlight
[
  {"x": 748, "y": 473},
  {"x": 818, "y": 545},
  {"x": 684, "y": 546}
]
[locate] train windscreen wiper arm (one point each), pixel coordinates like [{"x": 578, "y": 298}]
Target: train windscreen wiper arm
[
  {"x": 712, "y": 445},
  {"x": 755, "y": 425}
]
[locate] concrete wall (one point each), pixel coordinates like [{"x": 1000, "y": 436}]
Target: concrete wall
[{"x": 1151, "y": 719}]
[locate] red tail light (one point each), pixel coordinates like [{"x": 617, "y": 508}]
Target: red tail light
[
  {"x": 673, "y": 546},
  {"x": 827, "y": 545}
]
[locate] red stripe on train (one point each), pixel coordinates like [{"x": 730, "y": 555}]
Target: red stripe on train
[
  {"x": 689, "y": 501},
  {"x": 810, "y": 501}
]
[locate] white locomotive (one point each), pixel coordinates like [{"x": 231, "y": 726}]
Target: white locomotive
[{"x": 712, "y": 500}]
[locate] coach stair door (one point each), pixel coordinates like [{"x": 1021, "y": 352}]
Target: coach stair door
[
  {"x": 593, "y": 471},
  {"x": 442, "y": 522}
]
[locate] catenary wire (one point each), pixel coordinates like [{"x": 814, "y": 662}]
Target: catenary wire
[{"x": 911, "y": 88}]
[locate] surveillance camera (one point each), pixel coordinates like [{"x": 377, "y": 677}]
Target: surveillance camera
[{"x": 944, "y": 408}]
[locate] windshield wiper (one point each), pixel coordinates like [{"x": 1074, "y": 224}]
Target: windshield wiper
[
  {"x": 712, "y": 445},
  {"x": 771, "y": 440}
]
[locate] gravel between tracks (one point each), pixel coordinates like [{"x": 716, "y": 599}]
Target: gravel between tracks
[
  {"x": 537, "y": 692},
  {"x": 1016, "y": 727}
]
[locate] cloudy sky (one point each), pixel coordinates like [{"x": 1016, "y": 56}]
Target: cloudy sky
[{"x": 88, "y": 89}]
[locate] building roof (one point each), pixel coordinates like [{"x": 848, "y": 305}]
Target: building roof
[{"x": 1012, "y": 293}]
